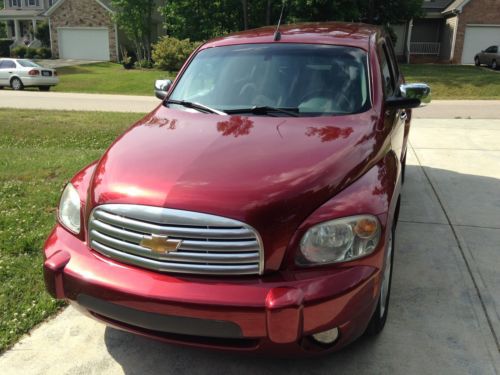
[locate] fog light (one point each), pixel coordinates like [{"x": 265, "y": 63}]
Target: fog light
[{"x": 327, "y": 337}]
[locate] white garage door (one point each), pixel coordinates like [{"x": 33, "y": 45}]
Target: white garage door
[
  {"x": 478, "y": 38},
  {"x": 83, "y": 43}
]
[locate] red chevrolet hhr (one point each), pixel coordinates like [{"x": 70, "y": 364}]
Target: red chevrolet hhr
[{"x": 255, "y": 208}]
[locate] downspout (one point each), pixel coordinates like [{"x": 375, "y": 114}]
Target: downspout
[
  {"x": 408, "y": 40},
  {"x": 454, "y": 39},
  {"x": 50, "y": 37},
  {"x": 117, "y": 43}
]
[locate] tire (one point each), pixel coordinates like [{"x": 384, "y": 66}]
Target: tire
[
  {"x": 377, "y": 322},
  {"x": 16, "y": 84},
  {"x": 476, "y": 61},
  {"x": 494, "y": 65},
  {"x": 44, "y": 88}
]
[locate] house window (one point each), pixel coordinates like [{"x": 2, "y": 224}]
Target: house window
[
  {"x": 15, "y": 3},
  {"x": 32, "y": 3},
  {"x": 52, "y": 2}
]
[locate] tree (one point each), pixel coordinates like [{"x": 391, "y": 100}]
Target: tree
[
  {"x": 200, "y": 20},
  {"x": 217, "y": 17},
  {"x": 134, "y": 18},
  {"x": 43, "y": 33}
]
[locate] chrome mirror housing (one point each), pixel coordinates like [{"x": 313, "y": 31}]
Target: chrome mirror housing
[
  {"x": 162, "y": 87},
  {"x": 420, "y": 91}
]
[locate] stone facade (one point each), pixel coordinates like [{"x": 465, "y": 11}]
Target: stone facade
[
  {"x": 82, "y": 13},
  {"x": 475, "y": 12}
]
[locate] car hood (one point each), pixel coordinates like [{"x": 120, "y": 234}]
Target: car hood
[{"x": 270, "y": 172}]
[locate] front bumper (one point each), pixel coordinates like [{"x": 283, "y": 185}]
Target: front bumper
[{"x": 273, "y": 313}]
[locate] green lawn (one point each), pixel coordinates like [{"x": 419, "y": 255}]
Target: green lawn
[
  {"x": 39, "y": 152},
  {"x": 455, "y": 81},
  {"x": 108, "y": 78}
]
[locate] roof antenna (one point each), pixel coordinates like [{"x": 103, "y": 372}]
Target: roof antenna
[{"x": 277, "y": 34}]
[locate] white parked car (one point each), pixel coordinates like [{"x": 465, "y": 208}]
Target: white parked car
[{"x": 21, "y": 73}]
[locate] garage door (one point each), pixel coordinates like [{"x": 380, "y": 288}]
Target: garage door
[
  {"x": 478, "y": 38},
  {"x": 83, "y": 43}
]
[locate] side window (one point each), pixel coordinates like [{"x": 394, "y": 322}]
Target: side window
[
  {"x": 394, "y": 60},
  {"x": 386, "y": 70},
  {"x": 495, "y": 49},
  {"x": 8, "y": 64},
  {"x": 490, "y": 49}
]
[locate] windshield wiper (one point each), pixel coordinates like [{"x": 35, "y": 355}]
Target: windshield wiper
[
  {"x": 197, "y": 106},
  {"x": 264, "y": 110}
]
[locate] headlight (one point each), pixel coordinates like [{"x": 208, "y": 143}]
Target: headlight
[
  {"x": 69, "y": 209},
  {"x": 339, "y": 240}
]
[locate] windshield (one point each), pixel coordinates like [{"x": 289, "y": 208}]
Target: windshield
[
  {"x": 28, "y": 64},
  {"x": 313, "y": 80}
]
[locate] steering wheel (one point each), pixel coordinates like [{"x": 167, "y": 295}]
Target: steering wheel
[{"x": 329, "y": 94}]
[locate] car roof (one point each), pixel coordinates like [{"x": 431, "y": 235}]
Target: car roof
[{"x": 334, "y": 33}]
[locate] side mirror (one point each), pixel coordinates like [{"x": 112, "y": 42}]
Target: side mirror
[
  {"x": 162, "y": 87},
  {"x": 412, "y": 95},
  {"x": 420, "y": 91}
]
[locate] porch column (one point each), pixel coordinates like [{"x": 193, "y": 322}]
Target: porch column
[
  {"x": 9, "y": 30},
  {"x": 17, "y": 30},
  {"x": 33, "y": 22}
]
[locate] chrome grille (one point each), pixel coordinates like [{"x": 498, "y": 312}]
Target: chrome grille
[{"x": 210, "y": 245}]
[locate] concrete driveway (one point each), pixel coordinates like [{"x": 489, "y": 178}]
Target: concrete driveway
[
  {"x": 59, "y": 63},
  {"x": 445, "y": 303}
]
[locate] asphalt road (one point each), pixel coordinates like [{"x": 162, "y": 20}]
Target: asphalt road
[
  {"x": 445, "y": 302},
  {"x": 29, "y": 99},
  {"x": 444, "y": 109}
]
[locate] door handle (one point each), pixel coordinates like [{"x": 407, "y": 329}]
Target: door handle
[{"x": 11, "y": 72}]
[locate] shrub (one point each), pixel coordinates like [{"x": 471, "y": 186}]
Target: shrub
[
  {"x": 44, "y": 53},
  {"x": 4, "y": 47},
  {"x": 170, "y": 53},
  {"x": 144, "y": 64},
  {"x": 19, "y": 51},
  {"x": 30, "y": 53}
]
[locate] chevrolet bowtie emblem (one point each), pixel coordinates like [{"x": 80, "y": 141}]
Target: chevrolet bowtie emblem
[{"x": 160, "y": 244}]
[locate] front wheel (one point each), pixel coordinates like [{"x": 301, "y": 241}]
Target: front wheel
[
  {"x": 379, "y": 317},
  {"x": 476, "y": 61},
  {"x": 44, "y": 88},
  {"x": 16, "y": 84}
]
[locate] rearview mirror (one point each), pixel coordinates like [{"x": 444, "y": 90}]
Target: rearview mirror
[{"x": 162, "y": 87}]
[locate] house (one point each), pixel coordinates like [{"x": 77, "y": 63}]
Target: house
[
  {"x": 22, "y": 17},
  {"x": 450, "y": 31},
  {"x": 83, "y": 29},
  {"x": 79, "y": 29}
]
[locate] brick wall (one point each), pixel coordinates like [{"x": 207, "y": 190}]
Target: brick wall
[
  {"x": 478, "y": 12},
  {"x": 82, "y": 13}
]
